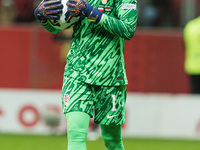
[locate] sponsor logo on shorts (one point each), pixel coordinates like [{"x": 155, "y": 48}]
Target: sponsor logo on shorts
[{"x": 109, "y": 117}]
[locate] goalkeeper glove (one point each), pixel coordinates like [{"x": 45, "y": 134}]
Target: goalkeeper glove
[
  {"x": 81, "y": 7},
  {"x": 48, "y": 9}
]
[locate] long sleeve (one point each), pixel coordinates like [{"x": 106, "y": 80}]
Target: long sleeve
[{"x": 124, "y": 24}]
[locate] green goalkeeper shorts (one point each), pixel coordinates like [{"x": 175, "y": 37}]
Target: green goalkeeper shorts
[{"x": 107, "y": 103}]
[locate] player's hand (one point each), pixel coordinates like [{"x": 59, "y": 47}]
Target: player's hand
[
  {"x": 48, "y": 9},
  {"x": 82, "y": 8},
  {"x": 75, "y": 8}
]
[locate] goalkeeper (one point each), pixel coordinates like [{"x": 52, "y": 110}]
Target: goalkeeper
[{"x": 95, "y": 75}]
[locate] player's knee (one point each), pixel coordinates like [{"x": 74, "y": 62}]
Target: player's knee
[
  {"x": 77, "y": 127},
  {"x": 112, "y": 137},
  {"x": 76, "y": 135},
  {"x": 113, "y": 142},
  {"x": 76, "y": 131}
]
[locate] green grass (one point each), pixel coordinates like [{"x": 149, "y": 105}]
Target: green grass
[{"x": 36, "y": 142}]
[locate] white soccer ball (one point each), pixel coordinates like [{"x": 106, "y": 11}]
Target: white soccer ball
[{"x": 61, "y": 23}]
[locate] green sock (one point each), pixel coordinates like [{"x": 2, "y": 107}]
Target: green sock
[
  {"x": 77, "y": 129},
  {"x": 112, "y": 137}
]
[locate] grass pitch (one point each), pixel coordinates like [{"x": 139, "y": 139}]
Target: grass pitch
[{"x": 35, "y": 142}]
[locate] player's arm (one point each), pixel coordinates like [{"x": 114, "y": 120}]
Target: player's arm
[
  {"x": 123, "y": 25},
  {"x": 48, "y": 10}
]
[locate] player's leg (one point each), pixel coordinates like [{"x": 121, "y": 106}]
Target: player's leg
[
  {"x": 78, "y": 108},
  {"x": 77, "y": 129},
  {"x": 112, "y": 137},
  {"x": 110, "y": 114}
]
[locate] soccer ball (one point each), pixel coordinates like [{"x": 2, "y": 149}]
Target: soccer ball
[{"x": 61, "y": 24}]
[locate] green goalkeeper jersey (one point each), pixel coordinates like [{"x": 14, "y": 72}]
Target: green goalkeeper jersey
[{"x": 96, "y": 54}]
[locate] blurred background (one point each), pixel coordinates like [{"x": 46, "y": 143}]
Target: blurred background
[{"x": 160, "y": 102}]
